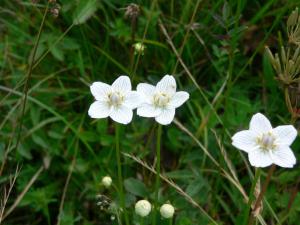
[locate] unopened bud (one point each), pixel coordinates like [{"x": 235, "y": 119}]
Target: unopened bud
[
  {"x": 139, "y": 48},
  {"x": 167, "y": 211},
  {"x": 143, "y": 208},
  {"x": 106, "y": 181}
]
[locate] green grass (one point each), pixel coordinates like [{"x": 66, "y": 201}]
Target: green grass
[{"x": 215, "y": 50}]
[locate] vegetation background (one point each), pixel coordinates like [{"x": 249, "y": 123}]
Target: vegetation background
[{"x": 53, "y": 156}]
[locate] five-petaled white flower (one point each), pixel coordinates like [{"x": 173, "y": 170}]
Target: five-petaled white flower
[
  {"x": 160, "y": 101},
  {"x": 116, "y": 101},
  {"x": 266, "y": 145}
]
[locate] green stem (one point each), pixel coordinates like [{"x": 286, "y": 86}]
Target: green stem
[
  {"x": 142, "y": 220},
  {"x": 251, "y": 195},
  {"x": 28, "y": 76},
  {"x": 261, "y": 194},
  {"x": 120, "y": 178},
  {"x": 157, "y": 181}
]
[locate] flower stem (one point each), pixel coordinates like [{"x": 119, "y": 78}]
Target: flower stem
[
  {"x": 120, "y": 178},
  {"x": 251, "y": 195},
  {"x": 157, "y": 181},
  {"x": 261, "y": 194}
]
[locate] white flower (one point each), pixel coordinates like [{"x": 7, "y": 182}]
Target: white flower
[
  {"x": 106, "y": 181},
  {"x": 266, "y": 145},
  {"x": 167, "y": 211},
  {"x": 142, "y": 208},
  {"x": 161, "y": 101},
  {"x": 115, "y": 101}
]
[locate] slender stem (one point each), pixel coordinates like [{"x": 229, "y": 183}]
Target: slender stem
[
  {"x": 120, "y": 178},
  {"x": 261, "y": 194},
  {"x": 157, "y": 181},
  {"x": 251, "y": 195},
  {"x": 142, "y": 220},
  {"x": 28, "y": 77}
]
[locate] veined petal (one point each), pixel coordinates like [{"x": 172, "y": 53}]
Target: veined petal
[
  {"x": 100, "y": 90},
  {"x": 245, "y": 140},
  {"x": 179, "y": 98},
  {"x": 99, "y": 110},
  {"x": 121, "y": 114},
  {"x": 285, "y": 135},
  {"x": 166, "y": 117},
  {"x": 259, "y": 158},
  {"x": 133, "y": 99},
  {"x": 122, "y": 84},
  {"x": 167, "y": 85},
  {"x": 146, "y": 91},
  {"x": 147, "y": 110},
  {"x": 284, "y": 157},
  {"x": 260, "y": 124}
]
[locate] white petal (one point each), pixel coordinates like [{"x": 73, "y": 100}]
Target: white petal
[
  {"x": 179, "y": 98},
  {"x": 147, "y": 110},
  {"x": 146, "y": 90},
  {"x": 121, "y": 114},
  {"x": 285, "y": 135},
  {"x": 99, "y": 110},
  {"x": 260, "y": 124},
  {"x": 100, "y": 90},
  {"x": 133, "y": 99},
  {"x": 284, "y": 157},
  {"x": 122, "y": 84},
  {"x": 166, "y": 117},
  {"x": 260, "y": 158},
  {"x": 167, "y": 85},
  {"x": 245, "y": 140}
]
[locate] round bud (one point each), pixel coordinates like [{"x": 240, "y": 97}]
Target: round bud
[
  {"x": 106, "y": 181},
  {"x": 139, "y": 48},
  {"x": 167, "y": 211},
  {"x": 143, "y": 208}
]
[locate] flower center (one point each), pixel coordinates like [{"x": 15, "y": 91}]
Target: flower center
[
  {"x": 267, "y": 141},
  {"x": 161, "y": 100},
  {"x": 115, "y": 99}
]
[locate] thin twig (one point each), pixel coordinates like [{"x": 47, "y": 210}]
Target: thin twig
[{"x": 22, "y": 194}]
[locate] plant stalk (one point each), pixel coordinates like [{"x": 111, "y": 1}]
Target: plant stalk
[
  {"x": 261, "y": 194},
  {"x": 157, "y": 181},
  {"x": 120, "y": 178}
]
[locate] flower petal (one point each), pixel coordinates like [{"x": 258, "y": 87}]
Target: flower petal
[
  {"x": 147, "y": 110},
  {"x": 133, "y": 99},
  {"x": 166, "y": 117},
  {"x": 100, "y": 90},
  {"x": 121, "y": 114},
  {"x": 285, "y": 134},
  {"x": 284, "y": 157},
  {"x": 99, "y": 110},
  {"x": 167, "y": 85},
  {"x": 122, "y": 84},
  {"x": 259, "y": 158},
  {"x": 179, "y": 98},
  {"x": 260, "y": 124},
  {"x": 146, "y": 91},
  {"x": 245, "y": 140}
]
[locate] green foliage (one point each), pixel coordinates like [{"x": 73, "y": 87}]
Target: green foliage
[{"x": 221, "y": 44}]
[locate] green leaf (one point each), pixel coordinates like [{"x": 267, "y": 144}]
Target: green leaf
[
  {"x": 84, "y": 10},
  {"x": 135, "y": 187}
]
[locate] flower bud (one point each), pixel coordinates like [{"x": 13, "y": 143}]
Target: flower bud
[
  {"x": 106, "y": 181},
  {"x": 143, "y": 208},
  {"x": 167, "y": 211},
  {"x": 139, "y": 48}
]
